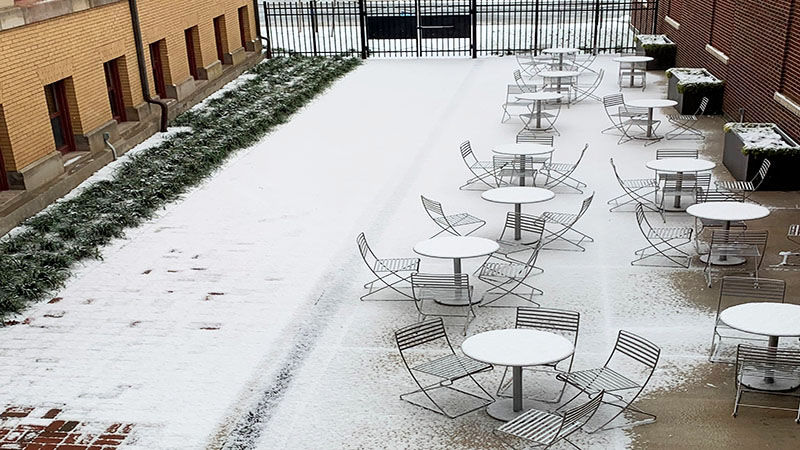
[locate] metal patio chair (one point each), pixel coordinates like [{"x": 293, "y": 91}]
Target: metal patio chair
[
  {"x": 531, "y": 229},
  {"x": 685, "y": 185},
  {"x": 747, "y": 187},
  {"x": 685, "y": 124},
  {"x": 506, "y": 276},
  {"x": 562, "y": 322},
  {"x": 617, "y": 376},
  {"x": 390, "y": 272},
  {"x": 532, "y": 64},
  {"x": 622, "y": 116},
  {"x": 664, "y": 241},
  {"x": 549, "y": 114},
  {"x": 435, "y": 295},
  {"x": 635, "y": 190},
  {"x": 533, "y": 137},
  {"x": 444, "y": 369},
  {"x": 561, "y": 173},
  {"x": 565, "y": 223},
  {"x": 512, "y": 101},
  {"x": 449, "y": 223},
  {"x": 522, "y": 85},
  {"x": 584, "y": 91},
  {"x": 583, "y": 62},
  {"x": 739, "y": 244},
  {"x": 700, "y": 224},
  {"x": 781, "y": 364},
  {"x": 482, "y": 171},
  {"x": 543, "y": 428},
  {"x": 735, "y": 291},
  {"x": 793, "y": 236},
  {"x": 507, "y": 169}
]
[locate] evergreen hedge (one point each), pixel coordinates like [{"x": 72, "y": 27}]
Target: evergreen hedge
[{"x": 37, "y": 259}]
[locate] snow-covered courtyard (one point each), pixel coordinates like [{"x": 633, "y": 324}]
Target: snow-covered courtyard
[{"x": 233, "y": 318}]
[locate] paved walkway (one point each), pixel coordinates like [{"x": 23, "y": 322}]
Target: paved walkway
[{"x": 236, "y": 313}]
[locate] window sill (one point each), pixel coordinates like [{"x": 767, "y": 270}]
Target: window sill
[
  {"x": 787, "y": 103},
  {"x": 722, "y": 57},
  {"x": 672, "y": 22}
]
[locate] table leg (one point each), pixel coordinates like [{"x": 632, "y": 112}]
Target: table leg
[
  {"x": 522, "y": 170},
  {"x": 456, "y": 265},
  {"x": 560, "y": 61},
  {"x": 517, "y": 221},
  {"x": 517, "y": 388},
  {"x": 678, "y": 187},
  {"x": 538, "y": 114},
  {"x": 633, "y": 70},
  {"x": 768, "y": 377},
  {"x": 649, "y": 122}
]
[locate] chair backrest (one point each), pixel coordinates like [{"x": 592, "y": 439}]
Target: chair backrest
[
  {"x": 585, "y": 206},
  {"x": 766, "y": 359},
  {"x": 738, "y": 290},
  {"x": 541, "y": 139},
  {"x": 701, "y": 181},
  {"x": 758, "y": 178},
  {"x": 707, "y": 195},
  {"x": 701, "y": 109},
  {"x": 466, "y": 151},
  {"x": 547, "y": 319},
  {"x": 611, "y": 100},
  {"x": 420, "y": 333},
  {"x": 439, "y": 281},
  {"x": 366, "y": 252},
  {"x": 739, "y": 237},
  {"x": 636, "y": 348},
  {"x": 641, "y": 219},
  {"x": 528, "y": 224},
  {"x": 433, "y": 207},
  {"x": 578, "y": 416},
  {"x": 583, "y": 152},
  {"x": 665, "y": 153}
]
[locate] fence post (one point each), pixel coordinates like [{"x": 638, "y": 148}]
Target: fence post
[
  {"x": 312, "y": 11},
  {"x": 266, "y": 25},
  {"x": 655, "y": 18},
  {"x": 596, "y": 32},
  {"x": 536, "y": 29},
  {"x": 473, "y": 12},
  {"x": 362, "y": 13}
]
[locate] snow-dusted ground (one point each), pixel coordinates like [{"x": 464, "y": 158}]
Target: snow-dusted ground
[{"x": 250, "y": 285}]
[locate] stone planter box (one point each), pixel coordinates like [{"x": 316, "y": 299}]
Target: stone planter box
[
  {"x": 743, "y": 164},
  {"x": 689, "y": 100},
  {"x": 659, "y": 47}
]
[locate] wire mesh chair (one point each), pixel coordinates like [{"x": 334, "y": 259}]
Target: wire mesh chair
[
  {"x": 685, "y": 124},
  {"x": 482, "y": 171},
  {"x": 735, "y": 291},
  {"x": 663, "y": 241},
  {"x": 511, "y": 169},
  {"x": 435, "y": 294},
  {"x": 390, "y": 272},
  {"x": 444, "y": 370},
  {"x": 756, "y": 363},
  {"x": 747, "y": 187},
  {"x": 635, "y": 190},
  {"x": 618, "y": 376},
  {"x": 793, "y": 236},
  {"x": 449, "y": 223},
  {"x": 531, "y": 229},
  {"x": 685, "y": 185},
  {"x": 546, "y": 429},
  {"x": 700, "y": 225},
  {"x": 623, "y": 117},
  {"x": 561, "y": 173},
  {"x": 512, "y": 101},
  {"x": 558, "y": 321},
  {"x": 565, "y": 223},
  {"x": 548, "y": 113},
  {"x": 584, "y": 91},
  {"x": 729, "y": 246},
  {"x": 506, "y": 276}
]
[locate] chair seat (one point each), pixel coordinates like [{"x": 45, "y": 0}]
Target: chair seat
[
  {"x": 485, "y": 165},
  {"x": 668, "y": 233},
  {"x": 674, "y": 176},
  {"x": 721, "y": 223},
  {"x": 452, "y": 367},
  {"x": 735, "y": 185},
  {"x": 595, "y": 380},
  {"x": 794, "y": 231},
  {"x": 509, "y": 247},
  {"x": 450, "y": 295},
  {"x": 397, "y": 265},
  {"x": 735, "y": 249},
  {"x": 682, "y": 117},
  {"x": 457, "y": 219},
  {"x": 503, "y": 270},
  {"x": 558, "y": 167},
  {"x": 639, "y": 183},
  {"x": 757, "y": 369},
  {"x": 537, "y": 426},
  {"x": 559, "y": 218},
  {"x": 640, "y": 121}
]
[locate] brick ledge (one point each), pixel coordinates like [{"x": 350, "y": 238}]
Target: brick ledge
[{"x": 26, "y": 13}]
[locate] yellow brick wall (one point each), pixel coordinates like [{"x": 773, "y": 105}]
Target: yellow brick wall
[{"x": 160, "y": 22}]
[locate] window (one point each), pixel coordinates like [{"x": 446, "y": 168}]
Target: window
[
  {"x": 157, "y": 64},
  {"x": 191, "y": 42},
  {"x": 220, "y": 38},
  {"x": 56, "y": 97},
  {"x": 244, "y": 26},
  {"x": 4, "y": 150},
  {"x": 114, "y": 89}
]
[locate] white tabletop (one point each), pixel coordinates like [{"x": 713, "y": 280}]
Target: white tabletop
[
  {"x": 557, "y": 50},
  {"x": 728, "y": 211},
  {"x": 633, "y": 59},
  {"x": 558, "y": 74},
  {"x": 651, "y": 103},
  {"x": 532, "y": 96},
  {"x": 518, "y": 195},
  {"x": 764, "y": 318},
  {"x": 517, "y": 347},
  {"x": 456, "y": 247},
  {"x": 522, "y": 149},
  {"x": 680, "y": 165}
]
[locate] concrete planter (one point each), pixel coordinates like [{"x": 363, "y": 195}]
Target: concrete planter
[
  {"x": 663, "y": 54},
  {"x": 782, "y": 175},
  {"x": 688, "y": 102}
]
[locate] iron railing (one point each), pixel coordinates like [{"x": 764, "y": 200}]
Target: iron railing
[{"x": 453, "y": 27}]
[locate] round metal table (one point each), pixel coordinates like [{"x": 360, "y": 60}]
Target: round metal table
[
  {"x": 538, "y": 98},
  {"x": 727, "y": 212},
  {"x": 517, "y": 195},
  {"x": 559, "y": 75},
  {"x": 771, "y": 319},
  {"x": 522, "y": 150},
  {"x": 678, "y": 166},
  {"x": 633, "y": 60},
  {"x": 651, "y": 103},
  {"x": 456, "y": 248},
  {"x": 561, "y": 51},
  {"x": 515, "y": 348}
]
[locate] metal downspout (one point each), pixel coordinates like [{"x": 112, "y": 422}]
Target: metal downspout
[{"x": 137, "y": 38}]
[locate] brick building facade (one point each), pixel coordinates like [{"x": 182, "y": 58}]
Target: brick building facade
[
  {"x": 753, "y": 46},
  {"x": 69, "y": 74}
]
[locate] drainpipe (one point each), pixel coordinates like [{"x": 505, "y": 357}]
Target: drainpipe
[{"x": 137, "y": 38}]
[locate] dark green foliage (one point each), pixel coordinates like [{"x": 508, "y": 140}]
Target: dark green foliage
[{"x": 37, "y": 260}]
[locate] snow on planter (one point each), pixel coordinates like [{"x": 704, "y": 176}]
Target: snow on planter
[
  {"x": 748, "y": 144},
  {"x": 659, "y": 47},
  {"x": 688, "y": 86}
]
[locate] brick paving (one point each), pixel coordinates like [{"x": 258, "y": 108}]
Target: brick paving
[{"x": 30, "y": 428}]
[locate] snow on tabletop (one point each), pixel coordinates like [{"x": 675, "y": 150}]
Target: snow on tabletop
[{"x": 686, "y": 76}]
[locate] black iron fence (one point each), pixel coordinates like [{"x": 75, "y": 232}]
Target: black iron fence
[{"x": 453, "y": 27}]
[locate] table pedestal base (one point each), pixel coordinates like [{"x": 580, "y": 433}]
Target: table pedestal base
[
  {"x": 728, "y": 261},
  {"x": 762, "y": 384},
  {"x": 503, "y": 409}
]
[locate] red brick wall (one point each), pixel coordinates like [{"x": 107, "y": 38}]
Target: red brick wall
[{"x": 753, "y": 34}]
